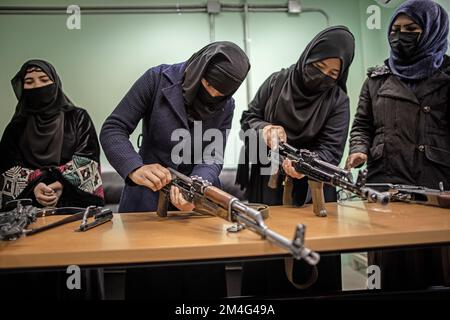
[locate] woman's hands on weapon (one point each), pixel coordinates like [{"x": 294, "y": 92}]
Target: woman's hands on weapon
[
  {"x": 153, "y": 176},
  {"x": 355, "y": 159},
  {"x": 290, "y": 170},
  {"x": 273, "y": 135},
  {"x": 177, "y": 199}
]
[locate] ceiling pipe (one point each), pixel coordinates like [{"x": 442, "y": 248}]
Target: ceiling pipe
[{"x": 212, "y": 8}]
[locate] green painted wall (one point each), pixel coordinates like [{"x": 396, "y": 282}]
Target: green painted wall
[{"x": 99, "y": 63}]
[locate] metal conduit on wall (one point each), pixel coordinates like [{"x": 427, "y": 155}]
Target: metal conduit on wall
[{"x": 212, "y": 8}]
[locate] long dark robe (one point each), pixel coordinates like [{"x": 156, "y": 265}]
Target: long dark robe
[
  {"x": 73, "y": 160},
  {"x": 78, "y": 170}
]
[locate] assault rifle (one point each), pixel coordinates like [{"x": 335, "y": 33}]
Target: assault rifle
[
  {"x": 415, "y": 194},
  {"x": 14, "y": 223},
  {"x": 319, "y": 172},
  {"x": 212, "y": 200}
]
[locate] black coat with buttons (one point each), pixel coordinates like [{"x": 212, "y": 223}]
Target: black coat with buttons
[{"x": 405, "y": 132}]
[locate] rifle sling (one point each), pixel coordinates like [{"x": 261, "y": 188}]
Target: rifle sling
[{"x": 289, "y": 270}]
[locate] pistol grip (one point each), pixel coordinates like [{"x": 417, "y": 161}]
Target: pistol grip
[
  {"x": 287, "y": 191},
  {"x": 163, "y": 204},
  {"x": 317, "y": 198}
]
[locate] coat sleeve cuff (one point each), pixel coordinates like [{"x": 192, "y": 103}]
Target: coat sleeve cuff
[
  {"x": 128, "y": 168},
  {"x": 359, "y": 148},
  {"x": 260, "y": 125}
]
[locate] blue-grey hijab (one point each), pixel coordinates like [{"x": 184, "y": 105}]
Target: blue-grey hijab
[{"x": 433, "y": 43}]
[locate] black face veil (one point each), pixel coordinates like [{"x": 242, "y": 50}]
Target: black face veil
[
  {"x": 224, "y": 65},
  {"x": 42, "y": 140},
  {"x": 300, "y": 111}
]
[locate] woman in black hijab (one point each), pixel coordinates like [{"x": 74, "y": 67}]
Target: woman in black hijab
[
  {"x": 307, "y": 106},
  {"x": 50, "y": 152},
  {"x": 222, "y": 66},
  {"x": 168, "y": 98}
]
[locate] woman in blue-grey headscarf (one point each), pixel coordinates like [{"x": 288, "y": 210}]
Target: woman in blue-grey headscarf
[{"x": 402, "y": 128}]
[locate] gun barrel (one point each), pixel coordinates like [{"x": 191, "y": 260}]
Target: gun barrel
[
  {"x": 335, "y": 169},
  {"x": 372, "y": 195}
]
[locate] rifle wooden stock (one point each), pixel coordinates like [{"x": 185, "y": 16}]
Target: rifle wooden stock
[
  {"x": 219, "y": 196},
  {"x": 317, "y": 198},
  {"x": 288, "y": 185},
  {"x": 163, "y": 204}
]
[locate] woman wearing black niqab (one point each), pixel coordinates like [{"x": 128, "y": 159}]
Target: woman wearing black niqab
[
  {"x": 307, "y": 106},
  {"x": 311, "y": 108},
  {"x": 224, "y": 66},
  {"x": 47, "y": 144},
  {"x": 49, "y": 152},
  {"x": 168, "y": 98}
]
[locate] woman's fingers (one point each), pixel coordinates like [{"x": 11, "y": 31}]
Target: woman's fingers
[
  {"x": 273, "y": 135},
  {"x": 42, "y": 188},
  {"x": 56, "y": 186},
  {"x": 153, "y": 176},
  {"x": 47, "y": 198},
  {"x": 47, "y": 190},
  {"x": 177, "y": 199},
  {"x": 355, "y": 159},
  {"x": 173, "y": 195},
  {"x": 181, "y": 199},
  {"x": 273, "y": 138},
  {"x": 287, "y": 167},
  {"x": 150, "y": 176},
  {"x": 281, "y": 134},
  {"x": 350, "y": 163},
  {"x": 290, "y": 170},
  {"x": 166, "y": 173},
  {"x": 45, "y": 195},
  {"x": 143, "y": 181},
  {"x": 147, "y": 183},
  {"x": 162, "y": 173}
]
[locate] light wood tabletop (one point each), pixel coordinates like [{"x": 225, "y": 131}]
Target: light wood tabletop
[{"x": 146, "y": 238}]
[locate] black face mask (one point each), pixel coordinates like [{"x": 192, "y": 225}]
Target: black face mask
[
  {"x": 316, "y": 81},
  {"x": 38, "y": 98},
  {"x": 404, "y": 44},
  {"x": 205, "y": 105}
]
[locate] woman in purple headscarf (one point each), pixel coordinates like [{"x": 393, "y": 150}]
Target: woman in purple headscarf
[{"x": 402, "y": 128}]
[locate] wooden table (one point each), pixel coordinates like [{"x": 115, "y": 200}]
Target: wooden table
[{"x": 136, "y": 238}]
